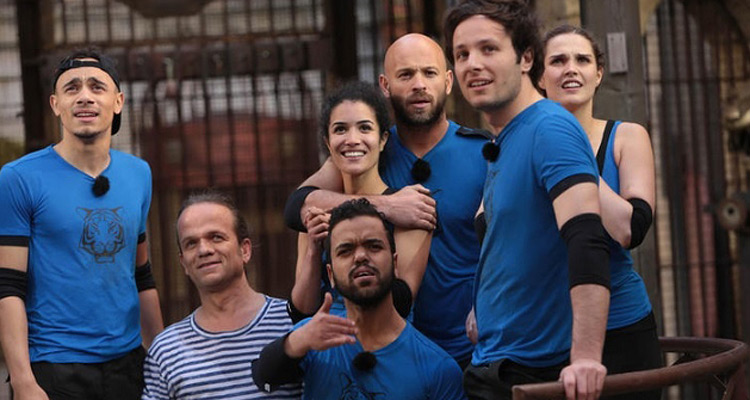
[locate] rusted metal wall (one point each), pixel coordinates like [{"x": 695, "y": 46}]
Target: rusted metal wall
[{"x": 697, "y": 65}]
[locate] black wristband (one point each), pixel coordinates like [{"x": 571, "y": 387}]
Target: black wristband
[
  {"x": 13, "y": 283},
  {"x": 143, "y": 278},
  {"x": 293, "y": 206},
  {"x": 588, "y": 250},
  {"x": 274, "y": 367},
  {"x": 480, "y": 226},
  {"x": 640, "y": 221}
]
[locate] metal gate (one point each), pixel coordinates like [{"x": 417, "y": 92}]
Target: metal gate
[
  {"x": 222, "y": 98},
  {"x": 221, "y": 94},
  {"x": 698, "y": 70}
]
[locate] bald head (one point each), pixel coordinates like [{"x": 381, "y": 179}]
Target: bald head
[
  {"x": 417, "y": 81},
  {"x": 413, "y": 47}
]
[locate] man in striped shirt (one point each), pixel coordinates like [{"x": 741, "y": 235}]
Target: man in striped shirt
[{"x": 208, "y": 354}]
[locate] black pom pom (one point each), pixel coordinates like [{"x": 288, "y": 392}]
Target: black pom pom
[
  {"x": 101, "y": 186},
  {"x": 402, "y": 297},
  {"x": 490, "y": 151},
  {"x": 421, "y": 170},
  {"x": 364, "y": 361}
]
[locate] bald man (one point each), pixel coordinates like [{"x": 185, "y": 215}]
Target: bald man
[{"x": 436, "y": 163}]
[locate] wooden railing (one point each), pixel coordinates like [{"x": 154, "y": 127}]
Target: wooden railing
[{"x": 722, "y": 366}]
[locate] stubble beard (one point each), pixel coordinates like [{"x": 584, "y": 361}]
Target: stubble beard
[
  {"x": 87, "y": 136},
  {"x": 494, "y": 106},
  {"x": 371, "y": 300},
  {"x": 403, "y": 117},
  {"x": 503, "y": 100}
]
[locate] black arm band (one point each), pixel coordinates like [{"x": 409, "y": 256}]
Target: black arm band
[
  {"x": 571, "y": 181},
  {"x": 293, "y": 207},
  {"x": 143, "y": 278},
  {"x": 640, "y": 221},
  {"x": 13, "y": 283},
  {"x": 402, "y": 297},
  {"x": 588, "y": 251},
  {"x": 294, "y": 313},
  {"x": 480, "y": 226},
  {"x": 274, "y": 367},
  {"x": 16, "y": 241}
]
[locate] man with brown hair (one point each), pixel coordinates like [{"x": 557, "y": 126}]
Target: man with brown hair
[{"x": 542, "y": 210}]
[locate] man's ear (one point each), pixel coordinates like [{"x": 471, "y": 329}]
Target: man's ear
[
  {"x": 184, "y": 267},
  {"x": 395, "y": 265},
  {"x": 448, "y": 81},
  {"x": 53, "y": 104},
  {"x": 329, "y": 269},
  {"x": 384, "y": 86},
  {"x": 246, "y": 247},
  {"x": 527, "y": 61},
  {"x": 119, "y": 102}
]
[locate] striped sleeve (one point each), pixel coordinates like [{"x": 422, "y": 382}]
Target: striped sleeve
[
  {"x": 187, "y": 361},
  {"x": 155, "y": 386}
]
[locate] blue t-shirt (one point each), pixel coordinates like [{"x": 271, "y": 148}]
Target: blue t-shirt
[
  {"x": 409, "y": 368},
  {"x": 522, "y": 298},
  {"x": 629, "y": 302},
  {"x": 82, "y": 303},
  {"x": 457, "y": 174}
]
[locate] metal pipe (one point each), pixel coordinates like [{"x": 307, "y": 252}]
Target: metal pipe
[{"x": 725, "y": 355}]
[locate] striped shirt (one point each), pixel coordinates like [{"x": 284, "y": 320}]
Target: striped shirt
[{"x": 188, "y": 362}]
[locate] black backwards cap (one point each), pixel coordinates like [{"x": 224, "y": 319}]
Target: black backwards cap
[{"x": 102, "y": 62}]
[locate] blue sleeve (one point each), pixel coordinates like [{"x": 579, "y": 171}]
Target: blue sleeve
[
  {"x": 147, "y": 203},
  {"x": 447, "y": 382},
  {"x": 561, "y": 151},
  {"x": 155, "y": 387},
  {"x": 16, "y": 205}
]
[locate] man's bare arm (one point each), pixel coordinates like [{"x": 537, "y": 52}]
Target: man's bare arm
[
  {"x": 413, "y": 251},
  {"x": 152, "y": 322},
  {"x": 14, "y": 330},
  {"x": 584, "y": 377}
]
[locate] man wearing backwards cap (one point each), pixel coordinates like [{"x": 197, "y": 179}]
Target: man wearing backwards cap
[{"x": 74, "y": 266}]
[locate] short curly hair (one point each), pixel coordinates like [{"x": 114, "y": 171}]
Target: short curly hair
[
  {"x": 356, "y": 208},
  {"x": 354, "y": 91}
]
